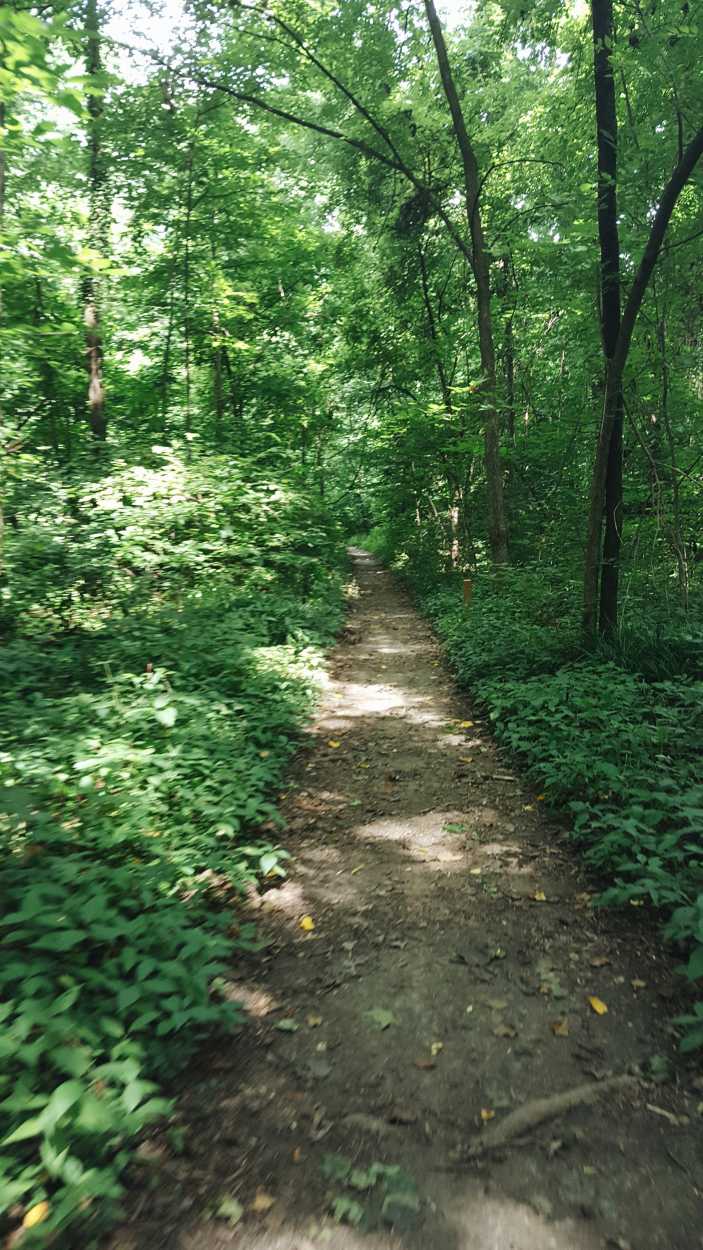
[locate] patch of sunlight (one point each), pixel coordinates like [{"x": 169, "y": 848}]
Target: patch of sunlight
[{"x": 480, "y": 1222}]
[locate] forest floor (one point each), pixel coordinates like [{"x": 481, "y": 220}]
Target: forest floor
[{"x": 455, "y": 971}]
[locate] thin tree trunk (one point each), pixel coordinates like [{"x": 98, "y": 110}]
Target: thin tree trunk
[
  {"x": 186, "y": 283},
  {"x": 2, "y": 217},
  {"x": 677, "y": 540},
  {"x": 498, "y": 530},
  {"x": 166, "y": 365},
  {"x": 97, "y": 417},
  {"x": 607, "y": 137},
  {"x": 613, "y": 389}
]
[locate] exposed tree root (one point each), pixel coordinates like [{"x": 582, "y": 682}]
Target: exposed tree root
[{"x": 536, "y": 1112}]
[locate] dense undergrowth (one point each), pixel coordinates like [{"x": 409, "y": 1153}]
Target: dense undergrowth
[
  {"x": 161, "y": 622},
  {"x": 612, "y": 736}
]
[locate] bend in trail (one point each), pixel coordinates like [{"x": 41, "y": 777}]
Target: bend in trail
[{"x": 454, "y": 973}]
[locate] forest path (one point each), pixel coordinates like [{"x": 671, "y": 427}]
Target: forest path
[{"x": 448, "y": 974}]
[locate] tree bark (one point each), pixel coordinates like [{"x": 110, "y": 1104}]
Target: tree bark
[
  {"x": 606, "y": 480},
  {"x": 607, "y": 138},
  {"x": 498, "y": 530},
  {"x": 97, "y": 417}
]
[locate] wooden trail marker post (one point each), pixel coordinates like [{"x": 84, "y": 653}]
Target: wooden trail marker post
[{"x": 468, "y": 591}]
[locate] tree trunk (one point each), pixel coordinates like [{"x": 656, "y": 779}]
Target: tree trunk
[
  {"x": 498, "y": 530},
  {"x": 607, "y": 486},
  {"x": 186, "y": 283},
  {"x": 97, "y": 418},
  {"x": 618, "y": 361}
]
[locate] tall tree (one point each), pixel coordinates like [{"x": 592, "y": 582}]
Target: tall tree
[
  {"x": 97, "y": 417},
  {"x": 498, "y": 529}
]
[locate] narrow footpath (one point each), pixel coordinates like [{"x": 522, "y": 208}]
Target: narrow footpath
[{"x": 435, "y": 964}]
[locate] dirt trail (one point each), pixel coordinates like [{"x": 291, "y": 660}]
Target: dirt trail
[{"x": 440, "y": 895}]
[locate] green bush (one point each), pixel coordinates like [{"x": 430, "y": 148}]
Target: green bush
[
  {"x": 602, "y": 735},
  {"x": 146, "y": 719}
]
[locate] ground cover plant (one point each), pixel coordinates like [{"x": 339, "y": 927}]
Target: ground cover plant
[
  {"x": 610, "y": 735},
  {"x": 426, "y": 271},
  {"x": 160, "y": 658}
]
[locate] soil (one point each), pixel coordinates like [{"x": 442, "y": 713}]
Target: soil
[{"x": 456, "y": 970}]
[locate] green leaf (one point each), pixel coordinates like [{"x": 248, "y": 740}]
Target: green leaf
[
  {"x": 166, "y": 715},
  {"x": 380, "y": 1018}
]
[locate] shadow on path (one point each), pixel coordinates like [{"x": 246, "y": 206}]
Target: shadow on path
[{"x": 445, "y": 906}]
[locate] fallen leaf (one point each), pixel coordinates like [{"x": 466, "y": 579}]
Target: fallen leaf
[
  {"x": 504, "y": 1030},
  {"x": 231, "y": 1210},
  {"x": 466, "y": 724},
  {"x": 262, "y": 1202},
  {"x": 637, "y": 984},
  {"x": 541, "y": 798},
  {"x": 307, "y": 923},
  {"x": 425, "y": 1064},
  {"x": 36, "y": 1215},
  {"x": 487, "y": 1114},
  {"x": 334, "y": 744},
  {"x": 528, "y": 807},
  {"x": 287, "y": 1026},
  {"x": 560, "y": 1028},
  {"x": 475, "y": 872},
  {"x": 436, "y": 1047},
  {"x": 380, "y": 1018},
  {"x": 636, "y": 902},
  {"x": 313, "y": 1022},
  {"x": 599, "y": 961},
  {"x": 598, "y": 1005},
  {"x": 296, "y": 1154},
  {"x": 466, "y": 759},
  {"x": 539, "y": 896},
  {"x": 264, "y": 755}
]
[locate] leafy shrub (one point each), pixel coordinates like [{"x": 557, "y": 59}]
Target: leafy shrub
[
  {"x": 608, "y": 741},
  {"x": 148, "y": 712}
]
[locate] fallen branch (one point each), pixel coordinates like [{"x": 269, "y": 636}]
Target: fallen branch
[{"x": 534, "y": 1113}]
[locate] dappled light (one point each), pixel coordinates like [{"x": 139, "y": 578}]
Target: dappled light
[{"x": 351, "y": 624}]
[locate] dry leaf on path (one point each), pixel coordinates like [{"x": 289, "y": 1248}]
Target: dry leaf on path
[
  {"x": 333, "y": 743},
  {"x": 539, "y": 896},
  {"x": 436, "y": 1047},
  {"x": 313, "y": 1022},
  {"x": 262, "y": 1202},
  {"x": 487, "y": 1114},
  {"x": 560, "y": 1028},
  {"x": 425, "y": 1064},
  {"x": 637, "y": 984},
  {"x": 597, "y": 1005},
  {"x": 599, "y": 961},
  {"x": 504, "y": 1030},
  {"x": 307, "y": 923}
]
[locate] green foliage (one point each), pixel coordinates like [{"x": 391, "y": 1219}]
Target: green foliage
[
  {"x": 162, "y": 657},
  {"x": 390, "y": 1194},
  {"x": 615, "y": 748}
]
